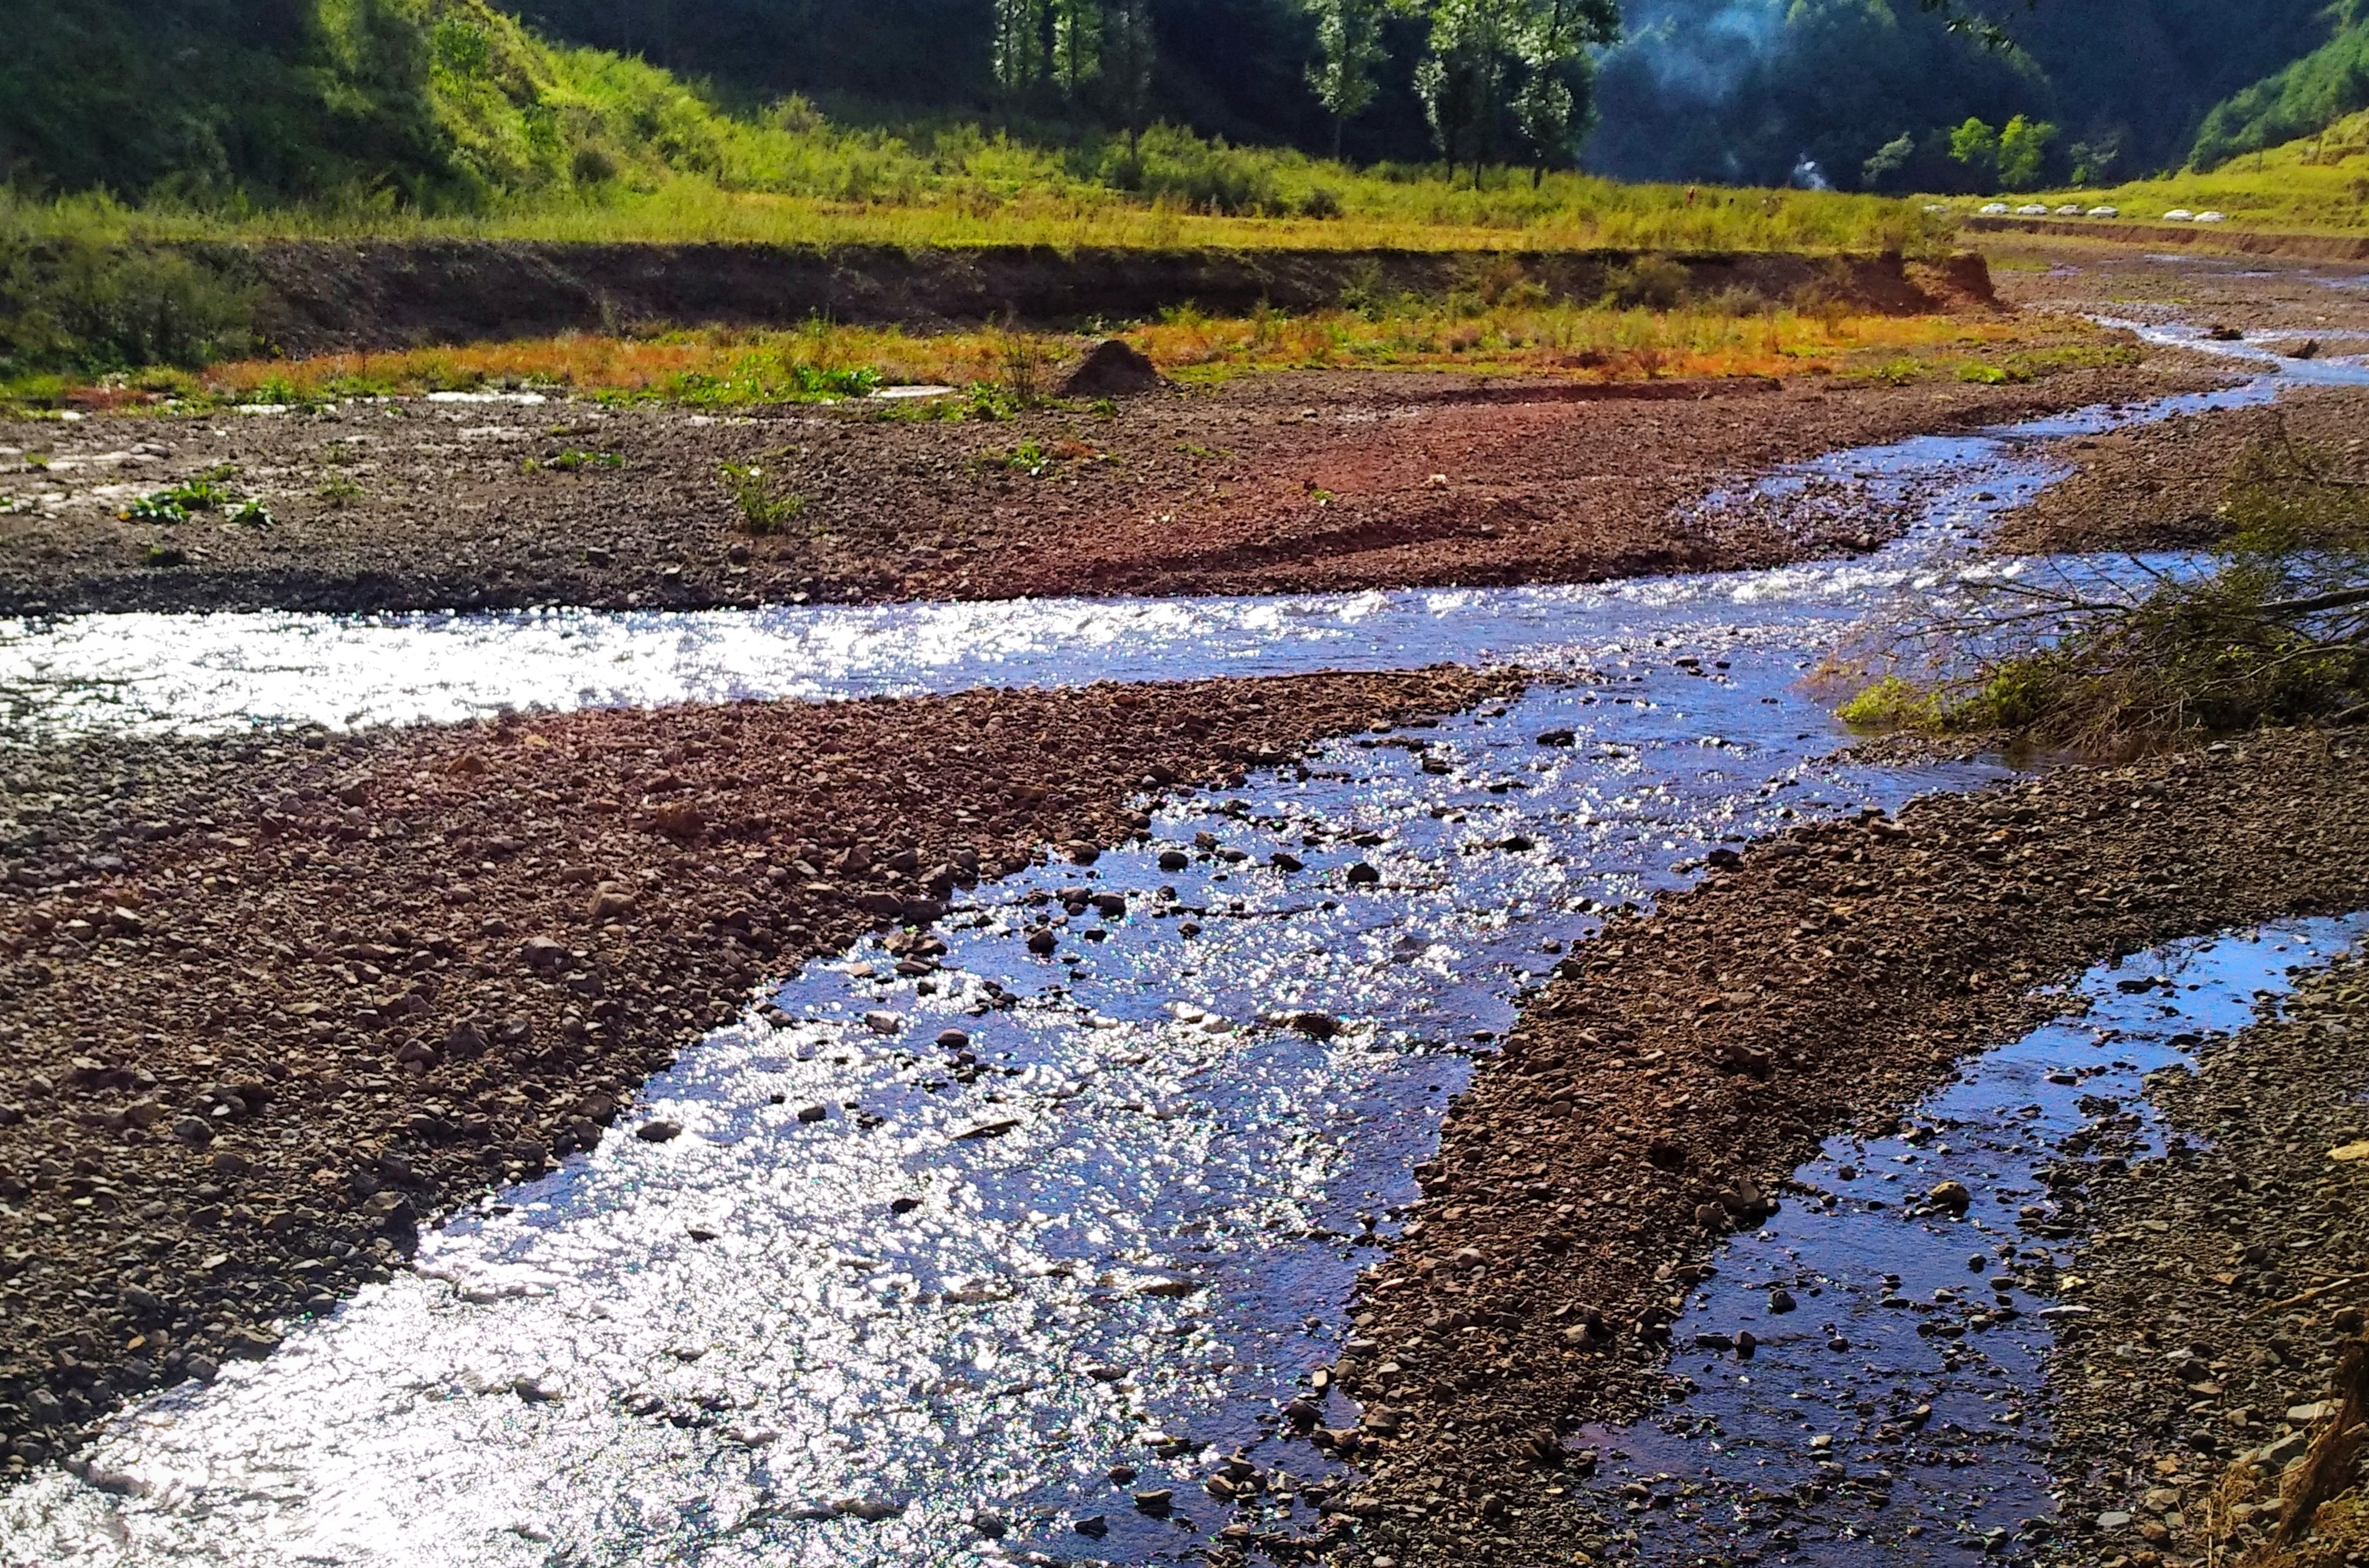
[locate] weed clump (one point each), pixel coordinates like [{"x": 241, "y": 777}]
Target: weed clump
[{"x": 763, "y": 511}]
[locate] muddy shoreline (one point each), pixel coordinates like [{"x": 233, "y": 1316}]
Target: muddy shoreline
[
  {"x": 1299, "y": 481},
  {"x": 1825, "y": 981},
  {"x": 272, "y": 1005}
]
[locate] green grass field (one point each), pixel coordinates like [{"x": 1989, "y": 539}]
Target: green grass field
[{"x": 2317, "y": 185}]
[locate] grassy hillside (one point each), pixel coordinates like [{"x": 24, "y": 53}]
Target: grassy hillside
[
  {"x": 2309, "y": 95},
  {"x": 2317, "y": 183}
]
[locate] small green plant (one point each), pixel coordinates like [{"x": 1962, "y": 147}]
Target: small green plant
[
  {"x": 572, "y": 460},
  {"x": 164, "y": 556},
  {"x": 1029, "y": 458},
  {"x": 338, "y": 490},
  {"x": 1985, "y": 375},
  {"x": 157, "y": 508},
  {"x": 1898, "y": 373},
  {"x": 38, "y": 461},
  {"x": 763, "y": 513},
  {"x": 252, "y": 513}
]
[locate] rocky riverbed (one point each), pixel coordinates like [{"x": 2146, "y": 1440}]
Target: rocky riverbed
[
  {"x": 2212, "y": 1310},
  {"x": 1301, "y": 481},
  {"x": 273, "y": 1005},
  {"x": 1661, "y": 1093}
]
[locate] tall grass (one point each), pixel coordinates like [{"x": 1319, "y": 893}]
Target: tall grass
[
  {"x": 814, "y": 185},
  {"x": 736, "y": 368}
]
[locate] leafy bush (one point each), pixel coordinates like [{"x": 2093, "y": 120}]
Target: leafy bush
[{"x": 81, "y": 304}]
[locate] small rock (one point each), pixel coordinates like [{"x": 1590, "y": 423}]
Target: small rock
[
  {"x": 1363, "y": 875},
  {"x": 953, "y": 1039},
  {"x": 1093, "y": 1526},
  {"x": 1041, "y": 941},
  {"x": 1286, "y": 862},
  {"x": 813, "y": 1112},
  {"x": 882, "y": 1023},
  {"x": 2113, "y": 1519},
  {"x": 1156, "y": 1502},
  {"x": 1174, "y": 859},
  {"x": 658, "y": 1131},
  {"x": 1951, "y": 1195},
  {"x": 1557, "y": 737}
]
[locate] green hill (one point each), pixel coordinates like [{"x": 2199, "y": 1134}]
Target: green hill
[
  {"x": 2302, "y": 100},
  {"x": 428, "y": 103}
]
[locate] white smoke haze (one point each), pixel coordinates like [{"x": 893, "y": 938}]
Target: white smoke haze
[{"x": 1703, "y": 50}]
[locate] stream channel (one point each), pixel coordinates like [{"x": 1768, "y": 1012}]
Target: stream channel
[{"x": 902, "y": 1296}]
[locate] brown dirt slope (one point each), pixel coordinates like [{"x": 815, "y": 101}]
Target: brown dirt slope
[
  {"x": 1827, "y": 980},
  {"x": 1303, "y": 482},
  {"x": 321, "y": 296},
  {"x": 269, "y": 1005}
]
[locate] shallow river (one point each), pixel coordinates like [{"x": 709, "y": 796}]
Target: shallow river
[{"x": 896, "y": 1297}]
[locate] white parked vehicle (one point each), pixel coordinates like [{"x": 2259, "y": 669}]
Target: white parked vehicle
[
  {"x": 2105, "y": 211},
  {"x": 2033, "y": 209},
  {"x": 2070, "y": 209},
  {"x": 2213, "y": 216},
  {"x": 1993, "y": 208},
  {"x": 2179, "y": 215}
]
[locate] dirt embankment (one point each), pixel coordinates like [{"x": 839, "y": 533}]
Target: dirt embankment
[
  {"x": 268, "y": 1007},
  {"x": 1296, "y": 482},
  {"x": 2161, "y": 486},
  {"x": 2222, "y": 1289},
  {"x": 2207, "y": 237},
  {"x": 1825, "y": 981},
  {"x": 317, "y": 297}
]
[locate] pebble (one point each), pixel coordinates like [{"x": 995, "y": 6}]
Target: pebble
[{"x": 658, "y": 1131}]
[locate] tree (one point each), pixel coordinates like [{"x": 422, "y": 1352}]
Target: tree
[
  {"x": 1463, "y": 75},
  {"x": 1477, "y": 45},
  {"x": 1077, "y": 54},
  {"x": 1557, "y": 93},
  {"x": 1887, "y": 160},
  {"x": 2023, "y": 152},
  {"x": 1127, "y": 64},
  {"x": 1977, "y": 146},
  {"x": 1019, "y": 58},
  {"x": 1349, "y": 45}
]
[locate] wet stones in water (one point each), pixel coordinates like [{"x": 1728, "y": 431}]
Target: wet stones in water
[
  {"x": 1316, "y": 1026},
  {"x": 953, "y": 1039},
  {"x": 1093, "y": 1526},
  {"x": 903, "y": 1205},
  {"x": 1284, "y": 861},
  {"x": 1156, "y": 1502},
  {"x": 658, "y": 1131},
  {"x": 1174, "y": 860},
  {"x": 1782, "y": 1301},
  {"x": 1558, "y": 738},
  {"x": 1364, "y": 875},
  {"x": 1951, "y": 1196},
  {"x": 1041, "y": 941},
  {"x": 813, "y": 1112},
  {"x": 882, "y": 1023}
]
